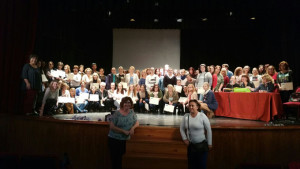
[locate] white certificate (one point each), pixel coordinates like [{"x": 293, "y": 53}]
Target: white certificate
[
  {"x": 70, "y": 76},
  {"x": 84, "y": 96},
  {"x": 147, "y": 106},
  {"x": 44, "y": 79},
  {"x": 154, "y": 101},
  {"x": 124, "y": 85},
  {"x": 256, "y": 83},
  {"x": 80, "y": 100},
  {"x": 287, "y": 86},
  {"x": 54, "y": 73},
  {"x": 201, "y": 90},
  {"x": 178, "y": 88},
  {"x": 94, "y": 97},
  {"x": 61, "y": 73},
  {"x": 182, "y": 99},
  {"x": 183, "y": 82},
  {"x": 169, "y": 108},
  {"x": 95, "y": 84}
]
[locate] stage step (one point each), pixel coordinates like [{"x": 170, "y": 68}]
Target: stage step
[
  {"x": 163, "y": 147},
  {"x": 155, "y": 153}
]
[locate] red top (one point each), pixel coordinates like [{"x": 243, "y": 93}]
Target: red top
[
  {"x": 214, "y": 81},
  {"x": 226, "y": 80}
]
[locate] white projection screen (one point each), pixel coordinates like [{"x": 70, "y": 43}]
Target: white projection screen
[{"x": 144, "y": 48}]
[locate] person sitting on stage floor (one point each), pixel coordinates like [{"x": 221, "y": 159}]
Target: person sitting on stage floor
[
  {"x": 118, "y": 95},
  {"x": 105, "y": 103},
  {"x": 232, "y": 83},
  {"x": 122, "y": 126},
  {"x": 76, "y": 106},
  {"x": 156, "y": 93},
  {"x": 196, "y": 124},
  {"x": 143, "y": 97},
  {"x": 64, "y": 92},
  {"x": 132, "y": 93},
  {"x": 49, "y": 104},
  {"x": 191, "y": 95},
  {"x": 80, "y": 90},
  {"x": 266, "y": 86},
  {"x": 246, "y": 83},
  {"x": 209, "y": 103},
  {"x": 93, "y": 105},
  {"x": 171, "y": 97}
]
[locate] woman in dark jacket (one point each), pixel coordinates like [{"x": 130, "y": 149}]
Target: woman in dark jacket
[
  {"x": 209, "y": 103},
  {"x": 267, "y": 84}
]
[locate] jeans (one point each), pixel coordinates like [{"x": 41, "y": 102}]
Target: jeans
[{"x": 196, "y": 160}]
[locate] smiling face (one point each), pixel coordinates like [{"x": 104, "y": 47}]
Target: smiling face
[
  {"x": 205, "y": 86},
  {"x": 193, "y": 107}
]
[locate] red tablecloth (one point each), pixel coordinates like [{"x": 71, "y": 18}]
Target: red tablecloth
[{"x": 252, "y": 106}]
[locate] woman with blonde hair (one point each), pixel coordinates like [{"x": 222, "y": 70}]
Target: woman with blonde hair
[
  {"x": 87, "y": 78},
  {"x": 142, "y": 80},
  {"x": 131, "y": 77},
  {"x": 191, "y": 95},
  {"x": 209, "y": 103},
  {"x": 49, "y": 104},
  {"x": 267, "y": 84},
  {"x": 171, "y": 97}
]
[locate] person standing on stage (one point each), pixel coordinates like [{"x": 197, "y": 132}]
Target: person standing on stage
[
  {"x": 111, "y": 78},
  {"x": 122, "y": 126},
  {"x": 31, "y": 84},
  {"x": 151, "y": 80},
  {"x": 197, "y": 124}
]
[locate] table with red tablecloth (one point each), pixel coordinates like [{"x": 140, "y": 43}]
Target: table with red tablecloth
[{"x": 252, "y": 106}]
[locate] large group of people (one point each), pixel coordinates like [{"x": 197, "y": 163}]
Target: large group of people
[
  {"x": 167, "y": 86},
  {"x": 127, "y": 91}
]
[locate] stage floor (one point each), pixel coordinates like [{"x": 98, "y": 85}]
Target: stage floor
[{"x": 169, "y": 119}]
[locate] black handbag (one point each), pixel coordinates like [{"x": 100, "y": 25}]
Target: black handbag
[{"x": 197, "y": 147}]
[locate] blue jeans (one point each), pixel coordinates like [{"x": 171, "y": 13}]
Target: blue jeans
[{"x": 197, "y": 160}]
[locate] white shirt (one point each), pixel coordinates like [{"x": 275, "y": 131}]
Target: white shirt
[
  {"x": 151, "y": 80},
  {"x": 76, "y": 80}
]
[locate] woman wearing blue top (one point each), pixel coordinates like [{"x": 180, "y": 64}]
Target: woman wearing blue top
[
  {"x": 196, "y": 124},
  {"x": 266, "y": 86},
  {"x": 122, "y": 126},
  {"x": 209, "y": 103}
]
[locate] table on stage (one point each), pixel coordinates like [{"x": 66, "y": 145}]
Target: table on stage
[{"x": 252, "y": 106}]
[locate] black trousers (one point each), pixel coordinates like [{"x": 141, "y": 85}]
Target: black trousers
[
  {"x": 117, "y": 150},
  {"x": 196, "y": 160}
]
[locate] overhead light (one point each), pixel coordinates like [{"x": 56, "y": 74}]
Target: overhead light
[
  {"x": 127, "y": 1},
  {"x": 252, "y": 18},
  {"x": 179, "y": 20},
  {"x": 109, "y": 13},
  {"x": 156, "y": 3},
  {"x": 230, "y": 13},
  {"x": 132, "y": 20},
  {"x": 204, "y": 19},
  {"x": 156, "y": 20}
]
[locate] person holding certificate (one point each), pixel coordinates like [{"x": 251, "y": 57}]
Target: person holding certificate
[
  {"x": 49, "y": 104},
  {"x": 87, "y": 78},
  {"x": 171, "y": 97},
  {"x": 157, "y": 95},
  {"x": 93, "y": 104},
  {"x": 143, "y": 98},
  {"x": 76, "y": 78},
  {"x": 79, "y": 91},
  {"x": 285, "y": 81},
  {"x": 76, "y": 106},
  {"x": 64, "y": 92},
  {"x": 118, "y": 95}
]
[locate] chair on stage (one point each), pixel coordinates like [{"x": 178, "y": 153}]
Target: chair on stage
[{"x": 294, "y": 104}]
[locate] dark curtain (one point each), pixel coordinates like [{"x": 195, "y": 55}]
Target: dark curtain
[{"x": 17, "y": 35}]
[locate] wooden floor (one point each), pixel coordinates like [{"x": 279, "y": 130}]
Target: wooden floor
[{"x": 235, "y": 142}]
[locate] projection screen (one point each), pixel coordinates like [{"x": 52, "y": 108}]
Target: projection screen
[{"x": 144, "y": 48}]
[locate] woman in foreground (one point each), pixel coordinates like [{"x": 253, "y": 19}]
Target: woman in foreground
[
  {"x": 198, "y": 145},
  {"x": 122, "y": 126}
]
